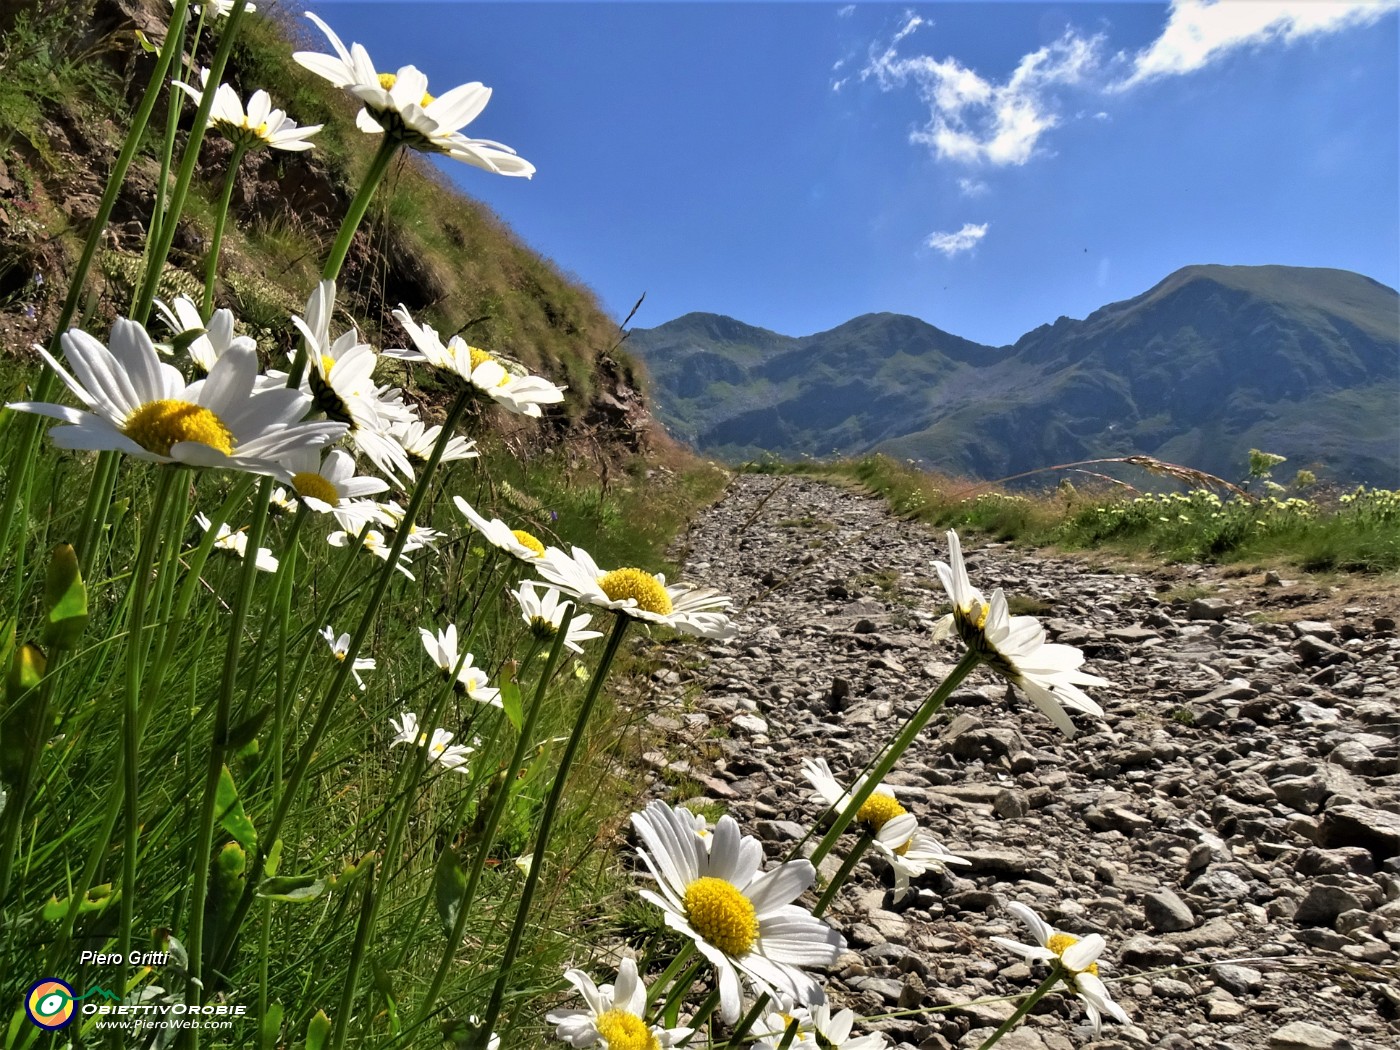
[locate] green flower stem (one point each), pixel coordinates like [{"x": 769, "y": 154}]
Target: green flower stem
[
  {"x": 363, "y": 929},
  {"x": 173, "y": 108},
  {"x": 218, "y": 745},
  {"x": 789, "y": 1034},
  {"x": 493, "y": 821},
  {"x": 378, "y": 168},
  {"x": 99, "y": 501},
  {"x": 551, "y": 812},
  {"x": 896, "y": 749},
  {"x": 410, "y": 773},
  {"x": 1056, "y": 973},
  {"x": 741, "y": 1030},
  {"x": 151, "y": 538},
  {"x": 161, "y": 250},
  {"x": 847, "y": 866},
  {"x": 669, "y": 974},
  {"x": 16, "y": 802},
  {"x": 211, "y": 265},
  {"x": 702, "y": 1015},
  {"x": 354, "y": 215},
  {"x": 337, "y": 684},
  {"x": 21, "y": 463},
  {"x": 671, "y": 1010},
  {"x": 188, "y": 586}
]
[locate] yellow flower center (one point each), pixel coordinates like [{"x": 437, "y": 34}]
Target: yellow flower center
[
  {"x": 1059, "y": 943},
  {"x": 309, "y": 483},
  {"x": 900, "y": 851},
  {"x": 542, "y": 628},
  {"x": 478, "y": 357},
  {"x": 388, "y": 80},
  {"x": 327, "y": 363},
  {"x": 157, "y": 425},
  {"x": 721, "y": 915},
  {"x": 878, "y": 810},
  {"x": 624, "y": 1031},
  {"x": 526, "y": 540},
  {"x": 642, "y": 587}
]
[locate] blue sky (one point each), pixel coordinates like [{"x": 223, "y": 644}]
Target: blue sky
[{"x": 985, "y": 166}]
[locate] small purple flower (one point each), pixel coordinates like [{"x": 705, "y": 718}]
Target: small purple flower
[
  {"x": 29, "y": 311},
  {"x": 554, "y": 515},
  {"x": 38, "y": 280}
]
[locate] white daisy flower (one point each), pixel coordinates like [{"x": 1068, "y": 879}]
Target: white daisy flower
[
  {"x": 1075, "y": 956},
  {"x": 237, "y": 543},
  {"x": 912, "y": 851},
  {"x": 339, "y": 377},
  {"x": 340, "y": 646},
  {"x": 704, "y": 830},
  {"x": 1015, "y": 646},
  {"x": 521, "y": 394},
  {"x": 399, "y": 104},
  {"x": 524, "y": 395},
  {"x": 442, "y": 650},
  {"x": 374, "y": 542},
  {"x": 325, "y": 484},
  {"x": 282, "y": 500},
  {"x": 616, "y": 1014},
  {"x": 875, "y": 813},
  {"x": 219, "y": 8},
  {"x": 418, "y": 441},
  {"x": 544, "y": 613},
  {"x": 516, "y": 542},
  {"x": 140, "y": 406},
  {"x": 817, "y": 1029},
  {"x": 256, "y": 126},
  {"x": 439, "y": 744},
  {"x": 391, "y": 515},
  {"x": 206, "y": 341},
  {"x": 637, "y": 594},
  {"x": 742, "y": 921}
]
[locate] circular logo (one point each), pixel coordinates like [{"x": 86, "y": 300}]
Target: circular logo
[{"x": 49, "y": 1004}]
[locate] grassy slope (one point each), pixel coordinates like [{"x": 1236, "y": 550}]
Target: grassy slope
[{"x": 448, "y": 258}]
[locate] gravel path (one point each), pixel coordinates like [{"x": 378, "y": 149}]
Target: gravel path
[{"x": 1240, "y": 801}]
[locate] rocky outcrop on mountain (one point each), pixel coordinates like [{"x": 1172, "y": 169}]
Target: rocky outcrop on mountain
[{"x": 1231, "y": 826}]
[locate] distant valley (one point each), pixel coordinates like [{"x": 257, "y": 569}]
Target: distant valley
[{"x": 1212, "y": 361}]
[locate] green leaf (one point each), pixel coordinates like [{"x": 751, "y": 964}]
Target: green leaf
[
  {"x": 449, "y": 887},
  {"x": 145, "y": 42},
  {"x": 24, "y": 718},
  {"x": 274, "y": 858},
  {"x": 385, "y": 987},
  {"x": 97, "y": 898},
  {"x": 230, "y": 812},
  {"x": 270, "y": 1027},
  {"x": 186, "y": 339},
  {"x": 294, "y": 888},
  {"x": 349, "y": 873},
  {"x": 65, "y": 599},
  {"x": 318, "y": 1031},
  {"x": 510, "y": 702}
]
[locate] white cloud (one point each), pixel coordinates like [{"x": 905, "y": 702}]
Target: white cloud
[
  {"x": 951, "y": 244},
  {"x": 972, "y": 187},
  {"x": 974, "y": 120},
  {"x": 1199, "y": 32},
  {"x": 846, "y": 12}
]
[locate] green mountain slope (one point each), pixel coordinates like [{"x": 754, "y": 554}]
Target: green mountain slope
[{"x": 1210, "y": 362}]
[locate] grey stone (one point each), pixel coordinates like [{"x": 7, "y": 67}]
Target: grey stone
[
  {"x": 1166, "y": 912},
  {"x": 1374, "y": 829},
  {"x": 1236, "y": 979},
  {"x": 1304, "y": 1035},
  {"x": 1208, "y": 609},
  {"x": 1322, "y": 904}
]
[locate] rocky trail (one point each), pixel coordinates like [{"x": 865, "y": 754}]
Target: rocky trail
[{"x": 1236, "y": 815}]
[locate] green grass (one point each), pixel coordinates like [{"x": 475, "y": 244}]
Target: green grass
[{"x": 1354, "y": 531}]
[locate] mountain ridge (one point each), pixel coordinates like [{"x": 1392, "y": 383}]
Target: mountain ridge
[{"x": 1208, "y": 362}]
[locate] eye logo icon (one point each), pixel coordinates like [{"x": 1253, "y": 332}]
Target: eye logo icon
[{"x": 49, "y": 1004}]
